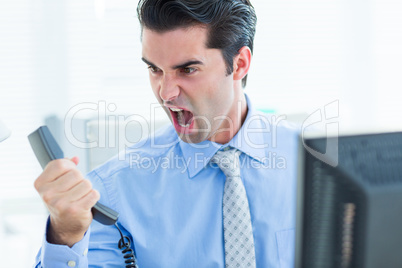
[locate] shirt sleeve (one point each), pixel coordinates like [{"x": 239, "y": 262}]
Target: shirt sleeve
[{"x": 52, "y": 255}]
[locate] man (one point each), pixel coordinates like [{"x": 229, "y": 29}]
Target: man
[{"x": 198, "y": 54}]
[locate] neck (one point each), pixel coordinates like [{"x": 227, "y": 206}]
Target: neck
[{"x": 237, "y": 116}]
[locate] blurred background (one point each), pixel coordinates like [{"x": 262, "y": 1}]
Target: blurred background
[{"x": 81, "y": 59}]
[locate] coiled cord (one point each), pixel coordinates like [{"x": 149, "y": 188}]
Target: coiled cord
[{"x": 124, "y": 245}]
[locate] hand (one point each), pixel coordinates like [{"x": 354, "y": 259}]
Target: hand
[{"x": 69, "y": 198}]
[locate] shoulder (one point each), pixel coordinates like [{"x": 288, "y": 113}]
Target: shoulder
[
  {"x": 276, "y": 122},
  {"x": 280, "y": 134},
  {"x": 156, "y": 145}
]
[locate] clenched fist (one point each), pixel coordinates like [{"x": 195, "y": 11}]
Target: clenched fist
[{"x": 69, "y": 198}]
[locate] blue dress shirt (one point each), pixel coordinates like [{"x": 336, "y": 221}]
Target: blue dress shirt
[{"x": 169, "y": 197}]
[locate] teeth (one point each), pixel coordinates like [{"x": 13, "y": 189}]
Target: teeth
[
  {"x": 187, "y": 125},
  {"x": 176, "y": 110},
  {"x": 180, "y": 116}
]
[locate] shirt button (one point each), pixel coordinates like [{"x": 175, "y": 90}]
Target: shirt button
[
  {"x": 71, "y": 264},
  {"x": 85, "y": 252}
]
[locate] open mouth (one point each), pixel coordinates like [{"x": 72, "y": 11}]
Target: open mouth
[{"x": 183, "y": 117}]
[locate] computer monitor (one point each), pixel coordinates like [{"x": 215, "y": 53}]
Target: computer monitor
[{"x": 349, "y": 210}]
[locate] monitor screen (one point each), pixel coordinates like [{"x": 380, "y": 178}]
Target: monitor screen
[{"x": 349, "y": 204}]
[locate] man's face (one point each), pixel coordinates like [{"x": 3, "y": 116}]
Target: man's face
[{"x": 190, "y": 82}]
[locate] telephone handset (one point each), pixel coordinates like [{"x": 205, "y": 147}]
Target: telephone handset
[{"x": 46, "y": 149}]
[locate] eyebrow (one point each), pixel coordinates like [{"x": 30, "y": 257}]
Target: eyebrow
[
  {"x": 179, "y": 66},
  {"x": 188, "y": 63}
]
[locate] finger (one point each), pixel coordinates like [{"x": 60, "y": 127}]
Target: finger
[
  {"x": 75, "y": 159},
  {"x": 52, "y": 171},
  {"x": 53, "y": 191},
  {"x": 65, "y": 182},
  {"x": 55, "y": 169},
  {"x": 89, "y": 200},
  {"x": 80, "y": 190}
]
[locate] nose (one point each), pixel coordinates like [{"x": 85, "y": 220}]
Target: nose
[{"x": 169, "y": 88}]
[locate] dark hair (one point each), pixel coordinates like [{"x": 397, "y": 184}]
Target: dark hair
[{"x": 231, "y": 23}]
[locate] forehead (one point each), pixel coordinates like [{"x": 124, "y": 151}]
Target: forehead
[{"x": 175, "y": 45}]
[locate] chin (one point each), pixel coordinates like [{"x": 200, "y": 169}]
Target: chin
[{"x": 193, "y": 138}]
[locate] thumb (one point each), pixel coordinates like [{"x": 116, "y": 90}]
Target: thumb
[{"x": 75, "y": 159}]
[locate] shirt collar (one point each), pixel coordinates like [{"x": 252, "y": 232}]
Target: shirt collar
[{"x": 249, "y": 140}]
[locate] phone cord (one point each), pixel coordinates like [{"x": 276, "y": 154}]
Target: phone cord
[{"x": 124, "y": 245}]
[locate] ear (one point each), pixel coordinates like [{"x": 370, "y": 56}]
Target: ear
[{"x": 241, "y": 63}]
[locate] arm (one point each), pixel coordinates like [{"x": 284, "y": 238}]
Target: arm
[
  {"x": 96, "y": 247},
  {"x": 53, "y": 255}
]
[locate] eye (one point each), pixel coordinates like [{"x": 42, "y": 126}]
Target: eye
[
  {"x": 188, "y": 70},
  {"x": 153, "y": 69}
]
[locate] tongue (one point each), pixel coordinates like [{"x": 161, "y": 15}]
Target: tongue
[{"x": 184, "y": 117}]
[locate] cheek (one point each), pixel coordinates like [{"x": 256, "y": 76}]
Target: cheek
[
  {"x": 213, "y": 94},
  {"x": 155, "y": 87}
]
